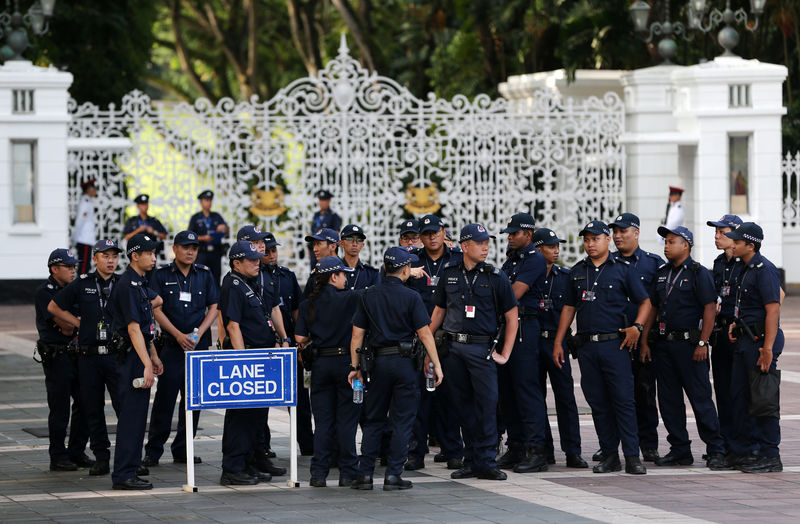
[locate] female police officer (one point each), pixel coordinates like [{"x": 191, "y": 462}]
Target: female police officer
[{"x": 325, "y": 318}]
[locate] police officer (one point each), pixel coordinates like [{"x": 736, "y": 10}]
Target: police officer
[
  {"x": 409, "y": 233},
  {"x": 324, "y": 323},
  {"x": 324, "y": 218},
  {"x": 324, "y": 243},
  {"x": 521, "y": 401},
  {"x": 97, "y": 366},
  {"x": 757, "y": 310},
  {"x": 84, "y": 233},
  {"x": 626, "y": 238},
  {"x": 190, "y": 303},
  {"x": 60, "y": 372},
  {"x": 435, "y": 412},
  {"x": 675, "y": 213},
  {"x": 683, "y": 298},
  {"x": 352, "y": 242},
  {"x": 210, "y": 229},
  {"x": 134, "y": 326},
  {"x": 392, "y": 314},
  {"x": 599, "y": 289},
  {"x": 726, "y": 271},
  {"x": 144, "y": 223},
  {"x": 551, "y": 300},
  {"x": 470, "y": 297},
  {"x": 245, "y": 316}
]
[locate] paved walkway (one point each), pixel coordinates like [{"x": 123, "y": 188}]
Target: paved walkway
[{"x": 30, "y": 492}]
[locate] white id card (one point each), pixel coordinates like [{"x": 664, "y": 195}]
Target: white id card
[
  {"x": 470, "y": 311},
  {"x": 185, "y": 296}
]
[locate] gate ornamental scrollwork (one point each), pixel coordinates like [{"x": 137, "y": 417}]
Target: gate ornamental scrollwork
[{"x": 383, "y": 152}]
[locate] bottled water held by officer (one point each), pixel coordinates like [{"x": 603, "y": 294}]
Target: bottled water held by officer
[
  {"x": 139, "y": 382},
  {"x": 430, "y": 382},
  {"x": 358, "y": 392},
  {"x": 195, "y": 336}
]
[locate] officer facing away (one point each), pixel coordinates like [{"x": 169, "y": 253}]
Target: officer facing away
[{"x": 393, "y": 314}]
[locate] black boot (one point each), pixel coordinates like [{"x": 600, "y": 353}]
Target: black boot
[
  {"x": 513, "y": 456},
  {"x": 535, "y": 461}
]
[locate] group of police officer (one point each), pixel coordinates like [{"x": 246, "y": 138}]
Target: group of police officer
[{"x": 432, "y": 311}]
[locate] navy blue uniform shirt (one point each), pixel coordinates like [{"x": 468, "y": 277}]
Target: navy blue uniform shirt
[
  {"x": 130, "y": 302},
  {"x": 92, "y": 296},
  {"x": 241, "y": 302},
  {"x": 202, "y": 225},
  {"x": 45, "y": 325},
  {"x": 426, "y": 287},
  {"x": 398, "y": 312},
  {"x": 759, "y": 285},
  {"x": 726, "y": 277},
  {"x": 528, "y": 266},
  {"x": 330, "y": 220},
  {"x": 333, "y": 317},
  {"x": 614, "y": 285},
  {"x": 680, "y": 294},
  {"x": 459, "y": 288},
  {"x": 551, "y": 292},
  {"x": 136, "y": 221},
  {"x": 645, "y": 264},
  {"x": 186, "y": 312},
  {"x": 266, "y": 286},
  {"x": 288, "y": 292},
  {"x": 363, "y": 277}
]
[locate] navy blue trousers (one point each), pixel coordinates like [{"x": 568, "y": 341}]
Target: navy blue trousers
[
  {"x": 240, "y": 435},
  {"x": 721, "y": 369},
  {"x": 305, "y": 434},
  {"x": 61, "y": 382},
  {"x": 750, "y": 434},
  {"x": 607, "y": 383},
  {"x": 335, "y": 417},
  {"x": 170, "y": 384},
  {"x": 393, "y": 388},
  {"x": 96, "y": 373},
  {"x": 212, "y": 259},
  {"x": 521, "y": 400},
  {"x": 646, "y": 411},
  {"x": 435, "y": 415},
  {"x": 678, "y": 373},
  {"x": 473, "y": 381},
  {"x": 569, "y": 430},
  {"x": 132, "y": 419}
]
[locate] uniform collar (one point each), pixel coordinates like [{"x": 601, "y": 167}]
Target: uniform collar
[
  {"x": 134, "y": 275},
  {"x": 478, "y": 266},
  {"x": 421, "y": 252},
  {"x": 686, "y": 264},
  {"x": 54, "y": 282},
  {"x": 175, "y": 269},
  {"x": 99, "y": 279},
  {"x": 722, "y": 258},
  {"x": 637, "y": 254},
  {"x": 611, "y": 260},
  {"x": 527, "y": 251},
  {"x": 391, "y": 280}
]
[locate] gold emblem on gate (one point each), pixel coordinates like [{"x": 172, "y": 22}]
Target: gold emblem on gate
[
  {"x": 267, "y": 203},
  {"x": 422, "y": 200}
]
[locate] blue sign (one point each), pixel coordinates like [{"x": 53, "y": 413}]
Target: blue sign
[{"x": 250, "y": 378}]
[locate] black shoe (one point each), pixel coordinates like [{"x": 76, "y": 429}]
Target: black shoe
[
  {"x": 650, "y": 454},
  {"x": 455, "y": 463},
  {"x": 576, "y": 461},
  {"x": 671, "y": 459},
  {"x": 513, "y": 456},
  {"x": 717, "y": 462},
  {"x": 82, "y": 461},
  {"x": 439, "y": 457},
  {"x": 463, "y": 473},
  {"x": 317, "y": 482},
  {"x": 150, "y": 462},
  {"x": 362, "y": 482},
  {"x": 608, "y": 464},
  {"x": 551, "y": 458},
  {"x": 346, "y": 483},
  {"x": 240, "y": 478},
  {"x": 763, "y": 465},
  {"x": 634, "y": 466},
  {"x": 599, "y": 456},
  {"x": 394, "y": 482},
  {"x": 63, "y": 465},
  {"x": 534, "y": 462},
  {"x": 133, "y": 483},
  {"x": 271, "y": 454},
  {"x": 493, "y": 474},
  {"x": 264, "y": 464},
  {"x": 262, "y": 476},
  {"x": 413, "y": 464},
  {"x": 100, "y": 468},
  {"x": 737, "y": 461},
  {"x": 142, "y": 471},
  {"x": 182, "y": 460}
]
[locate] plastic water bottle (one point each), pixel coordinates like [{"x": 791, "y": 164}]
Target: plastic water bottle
[
  {"x": 195, "y": 336},
  {"x": 430, "y": 383},
  {"x": 358, "y": 392},
  {"x": 139, "y": 382}
]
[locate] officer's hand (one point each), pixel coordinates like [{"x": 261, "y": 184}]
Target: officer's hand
[
  {"x": 158, "y": 366},
  {"x": 499, "y": 358},
  {"x": 644, "y": 353},
  {"x": 354, "y": 375},
  {"x": 150, "y": 230},
  {"x": 631, "y": 337},
  {"x": 204, "y": 238},
  {"x": 149, "y": 378},
  {"x": 222, "y": 228},
  {"x": 185, "y": 342},
  {"x": 700, "y": 354},
  {"x": 418, "y": 272},
  {"x": 730, "y": 332},
  {"x": 438, "y": 373},
  {"x": 284, "y": 344},
  {"x": 558, "y": 354},
  {"x": 764, "y": 359}
]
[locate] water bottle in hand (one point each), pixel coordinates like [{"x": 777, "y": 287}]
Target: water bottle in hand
[
  {"x": 139, "y": 382},
  {"x": 430, "y": 383},
  {"x": 358, "y": 392},
  {"x": 195, "y": 336}
]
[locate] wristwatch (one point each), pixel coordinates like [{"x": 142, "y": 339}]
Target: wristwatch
[
  {"x": 638, "y": 326},
  {"x": 356, "y": 368},
  {"x": 702, "y": 343},
  {"x": 287, "y": 340}
]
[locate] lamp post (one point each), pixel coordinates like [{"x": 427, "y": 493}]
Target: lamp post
[
  {"x": 667, "y": 47},
  {"x": 13, "y": 23}
]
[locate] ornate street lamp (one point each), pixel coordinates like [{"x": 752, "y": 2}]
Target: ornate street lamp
[
  {"x": 667, "y": 48},
  {"x": 13, "y": 23}
]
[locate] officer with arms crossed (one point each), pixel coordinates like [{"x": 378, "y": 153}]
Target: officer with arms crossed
[
  {"x": 134, "y": 327},
  {"x": 598, "y": 291},
  {"x": 210, "y": 228},
  {"x": 551, "y": 301},
  {"x": 190, "y": 308},
  {"x": 60, "y": 372},
  {"x": 683, "y": 298},
  {"x": 392, "y": 314},
  {"x": 352, "y": 242},
  {"x": 97, "y": 367},
  {"x": 470, "y": 298}
]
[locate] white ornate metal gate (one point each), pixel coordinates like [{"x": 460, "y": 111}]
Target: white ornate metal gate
[{"x": 384, "y": 153}]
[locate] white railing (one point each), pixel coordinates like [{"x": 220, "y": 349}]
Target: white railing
[{"x": 790, "y": 166}]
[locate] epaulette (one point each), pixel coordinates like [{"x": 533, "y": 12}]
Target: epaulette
[
  {"x": 622, "y": 261},
  {"x": 531, "y": 251},
  {"x": 49, "y": 286},
  {"x": 284, "y": 268},
  {"x": 653, "y": 255},
  {"x": 662, "y": 265},
  {"x": 760, "y": 264},
  {"x": 370, "y": 267},
  {"x": 452, "y": 263},
  {"x": 201, "y": 266},
  {"x": 84, "y": 275},
  {"x": 163, "y": 266}
]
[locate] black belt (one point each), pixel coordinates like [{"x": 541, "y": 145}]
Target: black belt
[
  {"x": 759, "y": 330},
  {"x": 385, "y": 352},
  {"x": 672, "y": 336},
  {"x": 52, "y": 348},
  {"x": 332, "y": 352},
  {"x": 529, "y": 315},
  {"x": 598, "y": 337},
  {"x": 94, "y": 350},
  {"x": 548, "y": 333},
  {"x": 465, "y": 338},
  {"x": 725, "y": 321}
]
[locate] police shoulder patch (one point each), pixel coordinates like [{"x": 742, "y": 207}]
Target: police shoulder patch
[
  {"x": 84, "y": 275},
  {"x": 49, "y": 286},
  {"x": 623, "y": 261},
  {"x": 451, "y": 264}
]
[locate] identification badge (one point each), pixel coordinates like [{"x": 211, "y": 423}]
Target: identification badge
[
  {"x": 102, "y": 332},
  {"x": 470, "y": 311},
  {"x": 736, "y": 311},
  {"x": 588, "y": 296},
  {"x": 546, "y": 304},
  {"x": 662, "y": 328},
  {"x": 269, "y": 321},
  {"x": 433, "y": 281},
  {"x": 185, "y": 296},
  {"x": 102, "y": 350},
  {"x": 306, "y": 379},
  {"x": 280, "y": 304},
  {"x": 725, "y": 291},
  {"x": 152, "y": 329}
]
